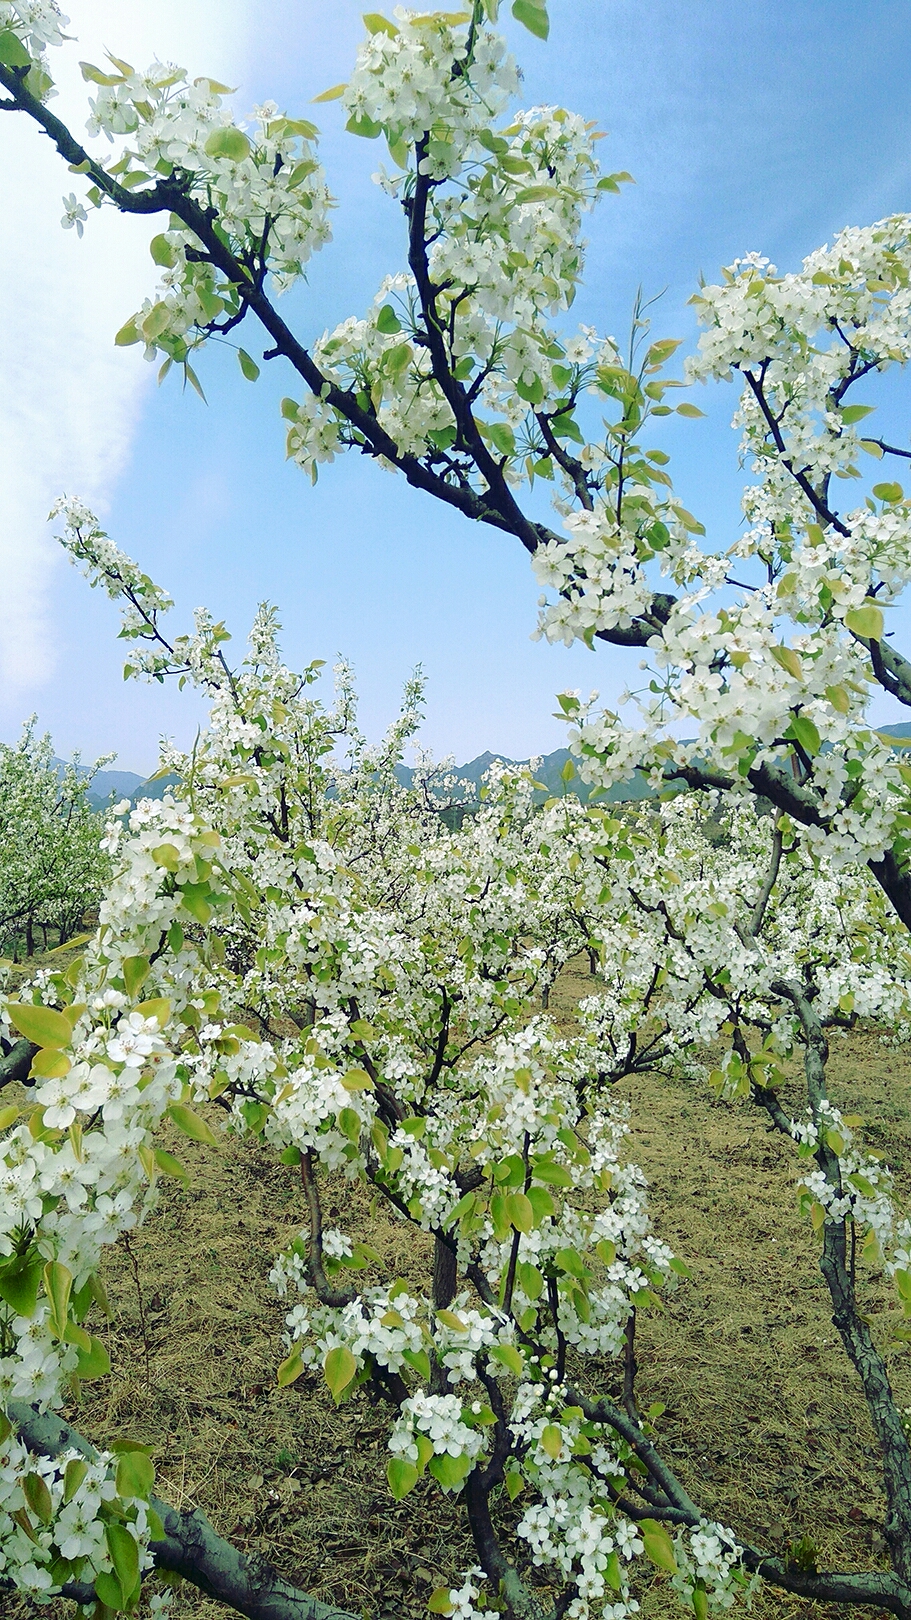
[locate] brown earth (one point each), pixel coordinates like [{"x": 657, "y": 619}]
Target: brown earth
[{"x": 764, "y": 1419}]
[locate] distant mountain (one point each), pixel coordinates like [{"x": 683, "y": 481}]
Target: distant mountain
[
  {"x": 107, "y": 786},
  {"x": 549, "y": 772}
]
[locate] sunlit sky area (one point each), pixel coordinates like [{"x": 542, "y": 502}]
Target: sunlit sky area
[{"x": 747, "y": 128}]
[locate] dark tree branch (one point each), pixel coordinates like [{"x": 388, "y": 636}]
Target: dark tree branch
[
  {"x": 880, "y": 1588},
  {"x": 322, "y": 1287},
  {"x": 16, "y": 1062},
  {"x": 495, "y": 506},
  {"x": 520, "y": 1601},
  {"x": 817, "y": 502}
]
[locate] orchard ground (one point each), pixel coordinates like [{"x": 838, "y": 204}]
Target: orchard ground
[{"x": 764, "y": 1417}]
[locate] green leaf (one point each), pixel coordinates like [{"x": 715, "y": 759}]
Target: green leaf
[
  {"x": 803, "y": 731},
  {"x": 856, "y": 413},
  {"x": 533, "y": 16},
  {"x": 376, "y": 23},
  {"x": 571, "y": 1262},
  {"x": 74, "y": 1473},
  {"x": 665, "y": 347},
  {"x": 93, "y": 1362},
  {"x": 135, "y": 1475},
  {"x": 514, "y": 1483},
  {"x": 169, "y": 1166},
  {"x": 333, "y": 94},
  {"x": 532, "y": 393},
  {"x": 155, "y": 322},
  {"x": 387, "y": 321},
  {"x": 839, "y": 697},
  {"x": 349, "y": 1123},
  {"x": 19, "y": 1281},
  {"x": 58, "y": 1283},
  {"x": 502, "y": 438},
  {"x": 365, "y": 127},
  {"x": 129, "y": 333},
  {"x": 191, "y": 378},
  {"x": 788, "y": 660},
  {"x": 542, "y": 1203},
  {"x": 420, "y": 1361},
  {"x": 94, "y": 75},
  {"x": 450, "y": 1320},
  {"x": 248, "y": 365},
  {"x": 686, "y": 409},
  {"x": 450, "y": 1472},
  {"x": 402, "y": 1476},
  {"x": 552, "y": 1440},
  {"x": 339, "y": 1369},
  {"x": 290, "y": 1370},
  {"x": 229, "y": 143},
  {"x": 357, "y": 1080},
  {"x": 658, "y": 1545},
  {"x": 509, "y": 1357},
  {"x": 135, "y": 972},
  {"x": 108, "y": 1590},
  {"x": 192, "y": 1124},
  {"x": 163, "y": 252},
  {"x": 565, "y": 426},
  {"x": 866, "y": 621},
  {"x": 440, "y": 1601},
  {"x": 13, "y": 53},
  {"x": 520, "y": 1212},
  {"x": 194, "y": 899},
  {"x": 49, "y": 1064},
  {"x": 158, "y": 1008},
  {"x": 124, "y": 1551},
  {"x": 890, "y": 493},
  {"x": 38, "y": 1497},
  {"x": 555, "y": 1175},
  {"x": 41, "y": 1025}
]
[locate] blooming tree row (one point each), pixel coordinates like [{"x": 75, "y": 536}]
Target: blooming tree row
[
  {"x": 51, "y": 869},
  {"x": 461, "y": 376},
  {"x": 290, "y": 892}
]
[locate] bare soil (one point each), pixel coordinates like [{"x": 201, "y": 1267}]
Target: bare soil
[{"x": 764, "y": 1418}]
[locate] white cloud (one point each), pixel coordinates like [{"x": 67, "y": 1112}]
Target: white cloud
[{"x": 69, "y": 401}]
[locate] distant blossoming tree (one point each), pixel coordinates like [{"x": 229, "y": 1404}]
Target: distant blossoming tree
[{"x": 52, "y": 869}]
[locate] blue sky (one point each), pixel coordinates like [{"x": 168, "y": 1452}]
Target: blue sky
[{"x": 762, "y": 128}]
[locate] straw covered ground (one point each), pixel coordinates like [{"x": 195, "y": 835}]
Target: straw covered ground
[{"x": 763, "y": 1420}]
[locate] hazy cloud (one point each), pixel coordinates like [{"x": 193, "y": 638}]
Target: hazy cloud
[{"x": 69, "y": 401}]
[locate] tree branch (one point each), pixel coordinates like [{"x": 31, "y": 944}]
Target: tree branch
[
  {"x": 16, "y": 1062},
  {"x": 192, "y": 1549},
  {"x": 851, "y": 1326}
]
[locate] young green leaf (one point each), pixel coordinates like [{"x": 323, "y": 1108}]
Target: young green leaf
[
  {"x": 533, "y": 15},
  {"x": 192, "y": 1124},
  {"x": 339, "y": 1368},
  {"x": 866, "y": 621},
  {"x": 41, "y": 1025},
  {"x": 402, "y": 1476},
  {"x": 658, "y": 1545}
]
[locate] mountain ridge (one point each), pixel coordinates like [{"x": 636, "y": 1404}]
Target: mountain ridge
[{"x": 109, "y": 785}]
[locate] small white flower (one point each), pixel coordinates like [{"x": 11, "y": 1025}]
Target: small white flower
[{"x": 75, "y": 214}]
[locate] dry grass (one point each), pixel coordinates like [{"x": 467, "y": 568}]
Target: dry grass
[{"x": 764, "y": 1419}]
